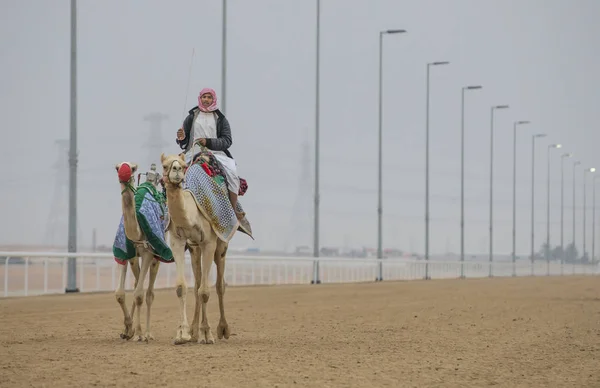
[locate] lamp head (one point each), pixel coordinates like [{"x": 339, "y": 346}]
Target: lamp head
[{"x": 393, "y": 31}]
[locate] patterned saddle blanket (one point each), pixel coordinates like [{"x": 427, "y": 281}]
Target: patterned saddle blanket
[
  {"x": 212, "y": 167},
  {"x": 205, "y": 179},
  {"x": 153, "y": 217}
]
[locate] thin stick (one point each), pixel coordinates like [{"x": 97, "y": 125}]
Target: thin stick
[{"x": 188, "y": 82}]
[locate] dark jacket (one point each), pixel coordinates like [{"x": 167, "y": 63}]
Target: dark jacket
[{"x": 221, "y": 143}]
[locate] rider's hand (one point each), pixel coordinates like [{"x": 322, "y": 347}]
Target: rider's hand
[
  {"x": 180, "y": 134},
  {"x": 202, "y": 141}
]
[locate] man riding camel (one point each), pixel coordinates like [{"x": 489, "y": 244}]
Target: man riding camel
[{"x": 207, "y": 125}]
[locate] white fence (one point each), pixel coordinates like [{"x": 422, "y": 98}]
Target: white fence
[{"x": 28, "y": 273}]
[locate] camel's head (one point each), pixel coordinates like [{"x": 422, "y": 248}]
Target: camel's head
[
  {"x": 126, "y": 171},
  {"x": 174, "y": 167}
]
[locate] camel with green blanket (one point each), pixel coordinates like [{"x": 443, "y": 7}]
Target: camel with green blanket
[{"x": 140, "y": 235}]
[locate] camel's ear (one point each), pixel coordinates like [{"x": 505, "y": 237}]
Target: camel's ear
[
  {"x": 134, "y": 168},
  {"x": 162, "y": 157},
  {"x": 182, "y": 159}
]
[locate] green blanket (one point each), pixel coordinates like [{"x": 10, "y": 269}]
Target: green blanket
[{"x": 152, "y": 216}]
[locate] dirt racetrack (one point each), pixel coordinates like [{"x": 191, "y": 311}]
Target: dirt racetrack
[{"x": 514, "y": 332}]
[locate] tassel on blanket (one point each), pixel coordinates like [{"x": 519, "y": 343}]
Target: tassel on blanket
[{"x": 243, "y": 187}]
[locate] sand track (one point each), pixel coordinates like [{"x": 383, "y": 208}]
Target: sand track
[{"x": 522, "y": 332}]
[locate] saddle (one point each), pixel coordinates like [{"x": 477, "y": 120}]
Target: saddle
[{"x": 213, "y": 168}]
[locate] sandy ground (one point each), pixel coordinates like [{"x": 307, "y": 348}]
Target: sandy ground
[{"x": 521, "y": 332}]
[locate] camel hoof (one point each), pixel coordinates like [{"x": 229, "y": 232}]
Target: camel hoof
[
  {"x": 180, "y": 341},
  {"x": 182, "y": 337},
  {"x": 128, "y": 333},
  {"x": 223, "y": 331},
  {"x": 149, "y": 337},
  {"x": 208, "y": 337}
]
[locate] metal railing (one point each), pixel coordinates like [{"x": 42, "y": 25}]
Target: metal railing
[{"x": 35, "y": 273}]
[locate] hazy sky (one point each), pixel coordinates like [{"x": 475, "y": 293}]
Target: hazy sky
[{"x": 538, "y": 56}]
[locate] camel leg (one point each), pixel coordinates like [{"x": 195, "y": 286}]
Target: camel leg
[
  {"x": 138, "y": 293},
  {"x": 177, "y": 245},
  {"x": 221, "y": 251},
  {"x": 150, "y": 297},
  {"x": 196, "y": 255},
  {"x": 208, "y": 254},
  {"x": 120, "y": 296},
  {"x": 135, "y": 268}
]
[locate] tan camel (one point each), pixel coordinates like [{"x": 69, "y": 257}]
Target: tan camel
[
  {"x": 126, "y": 172},
  {"x": 188, "y": 225}
]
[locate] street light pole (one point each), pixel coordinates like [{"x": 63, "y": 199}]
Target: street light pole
[
  {"x": 492, "y": 185},
  {"x": 594, "y": 219},
  {"x": 575, "y": 164},
  {"x": 514, "y": 199},
  {"x": 562, "y": 209},
  {"x": 224, "y": 56},
  {"x": 72, "y": 238},
  {"x": 380, "y": 175},
  {"x": 462, "y": 178},
  {"x": 317, "y": 136},
  {"x": 540, "y": 135},
  {"x": 427, "y": 168},
  {"x": 584, "y": 207},
  {"x": 548, "y": 211}
]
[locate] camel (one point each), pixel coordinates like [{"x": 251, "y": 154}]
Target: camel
[
  {"x": 188, "y": 225},
  {"x": 134, "y": 233}
]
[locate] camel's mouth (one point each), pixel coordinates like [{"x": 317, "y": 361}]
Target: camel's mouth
[
  {"x": 175, "y": 174},
  {"x": 175, "y": 177},
  {"x": 124, "y": 171}
]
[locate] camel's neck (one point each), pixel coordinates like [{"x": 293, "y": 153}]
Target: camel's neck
[
  {"x": 176, "y": 204},
  {"x": 132, "y": 228}
]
